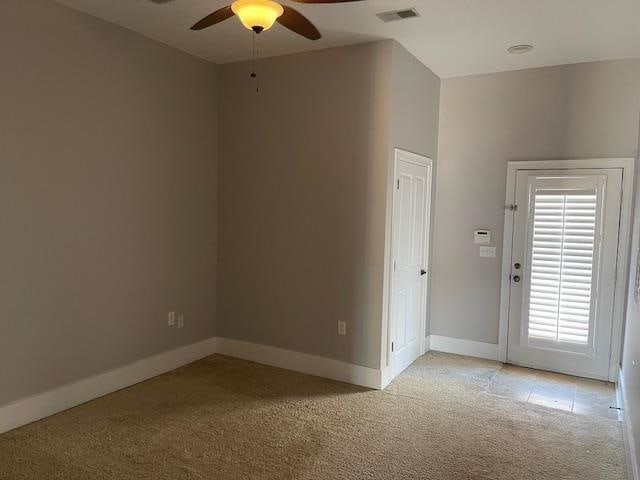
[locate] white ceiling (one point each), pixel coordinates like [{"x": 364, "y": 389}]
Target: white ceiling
[{"x": 452, "y": 37}]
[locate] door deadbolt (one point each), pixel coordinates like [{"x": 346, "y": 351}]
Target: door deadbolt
[{"x": 517, "y": 266}]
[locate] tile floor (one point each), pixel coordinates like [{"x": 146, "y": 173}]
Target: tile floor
[{"x": 564, "y": 392}]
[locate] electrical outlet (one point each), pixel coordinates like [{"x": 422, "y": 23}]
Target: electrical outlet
[
  {"x": 171, "y": 319},
  {"x": 342, "y": 328},
  {"x": 181, "y": 321}
]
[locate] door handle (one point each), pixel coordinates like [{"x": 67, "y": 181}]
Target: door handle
[{"x": 423, "y": 272}]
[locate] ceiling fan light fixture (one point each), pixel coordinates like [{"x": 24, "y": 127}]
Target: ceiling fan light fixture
[{"x": 257, "y": 15}]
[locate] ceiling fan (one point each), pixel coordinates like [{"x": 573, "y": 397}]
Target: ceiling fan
[{"x": 260, "y": 15}]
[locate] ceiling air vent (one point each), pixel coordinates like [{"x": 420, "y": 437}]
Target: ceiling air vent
[{"x": 398, "y": 15}]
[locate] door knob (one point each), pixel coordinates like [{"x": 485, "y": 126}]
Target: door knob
[
  {"x": 516, "y": 278},
  {"x": 423, "y": 272}
]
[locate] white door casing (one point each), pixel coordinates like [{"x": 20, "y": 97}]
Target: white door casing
[{"x": 409, "y": 255}]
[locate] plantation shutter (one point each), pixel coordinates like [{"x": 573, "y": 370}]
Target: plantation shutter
[{"x": 562, "y": 261}]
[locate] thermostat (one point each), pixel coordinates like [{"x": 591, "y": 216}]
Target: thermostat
[{"x": 482, "y": 237}]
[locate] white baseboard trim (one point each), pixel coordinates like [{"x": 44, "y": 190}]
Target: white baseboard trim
[
  {"x": 385, "y": 377},
  {"x": 62, "y": 398},
  {"x": 301, "y": 362},
  {"x": 48, "y": 403},
  {"x": 629, "y": 441},
  {"x": 459, "y": 346}
]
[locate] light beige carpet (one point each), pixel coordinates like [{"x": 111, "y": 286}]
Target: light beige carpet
[{"x": 222, "y": 418}]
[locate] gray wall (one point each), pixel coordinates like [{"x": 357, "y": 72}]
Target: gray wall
[
  {"x": 303, "y": 171},
  {"x": 413, "y": 126},
  {"x": 575, "y": 111},
  {"x": 107, "y": 196},
  {"x": 415, "y": 99},
  {"x": 631, "y": 352}
]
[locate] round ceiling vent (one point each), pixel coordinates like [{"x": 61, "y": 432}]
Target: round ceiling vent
[{"x": 519, "y": 49}]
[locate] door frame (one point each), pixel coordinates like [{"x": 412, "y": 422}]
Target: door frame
[
  {"x": 624, "y": 242},
  {"x": 417, "y": 159}
]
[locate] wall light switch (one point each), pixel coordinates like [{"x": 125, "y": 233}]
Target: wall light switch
[
  {"x": 488, "y": 252},
  {"x": 342, "y": 328},
  {"x": 171, "y": 319},
  {"x": 181, "y": 321}
]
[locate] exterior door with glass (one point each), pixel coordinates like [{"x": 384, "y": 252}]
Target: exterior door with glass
[{"x": 563, "y": 270}]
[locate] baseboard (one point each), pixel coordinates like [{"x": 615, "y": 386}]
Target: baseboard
[
  {"x": 385, "y": 377},
  {"x": 629, "y": 441},
  {"x": 460, "y": 346},
  {"x": 302, "y": 362},
  {"x": 62, "y": 398}
]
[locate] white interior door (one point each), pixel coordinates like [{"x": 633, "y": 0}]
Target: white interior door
[
  {"x": 408, "y": 296},
  {"x": 563, "y": 270}
]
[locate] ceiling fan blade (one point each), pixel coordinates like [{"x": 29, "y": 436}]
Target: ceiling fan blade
[
  {"x": 216, "y": 17},
  {"x": 325, "y": 1},
  {"x": 298, "y": 23}
]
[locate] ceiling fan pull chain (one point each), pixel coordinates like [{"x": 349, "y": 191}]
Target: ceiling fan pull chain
[{"x": 254, "y": 54}]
